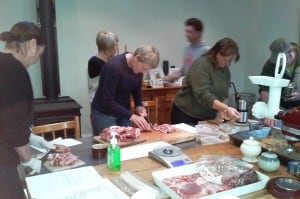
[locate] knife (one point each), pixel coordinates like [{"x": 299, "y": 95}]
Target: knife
[{"x": 28, "y": 170}]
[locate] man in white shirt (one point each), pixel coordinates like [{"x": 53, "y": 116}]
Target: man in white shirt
[{"x": 193, "y": 32}]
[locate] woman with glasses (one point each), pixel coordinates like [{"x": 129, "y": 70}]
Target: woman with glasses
[
  {"x": 206, "y": 86},
  {"x": 122, "y": 77},
  {"x": 292, "y": 71}
]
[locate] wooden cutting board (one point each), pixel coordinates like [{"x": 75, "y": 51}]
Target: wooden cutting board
[{"x": 154, "y": 136}]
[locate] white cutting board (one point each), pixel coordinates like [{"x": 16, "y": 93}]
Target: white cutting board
[{"x": 58, "y": 168}]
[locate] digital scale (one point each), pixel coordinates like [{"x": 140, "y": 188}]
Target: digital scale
[{"x": 170, "y": 156}]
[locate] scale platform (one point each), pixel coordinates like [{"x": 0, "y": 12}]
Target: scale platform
[{"x": 170, "y": 156}]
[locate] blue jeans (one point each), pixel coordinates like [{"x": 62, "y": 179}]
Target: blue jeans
[{"x": 101, "y": 121}]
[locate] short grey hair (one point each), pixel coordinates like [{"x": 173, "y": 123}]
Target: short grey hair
[
  {"x": 148, "y": 54},
  {"x": 106, "y": 40}
]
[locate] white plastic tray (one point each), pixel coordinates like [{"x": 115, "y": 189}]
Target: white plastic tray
[{"x": 190, "y": 169}]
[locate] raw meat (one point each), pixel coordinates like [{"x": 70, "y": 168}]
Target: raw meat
[
  {"x": 164, "y": 128},
  {"x": 193, "y": 186},
  {"x": 123, "y": 133},
  {"x": 62, "y": 159},
  {"x": 61, "y": 148},
  {"x": 215, "y": 174},
  {"x": 228, "y": 170}
]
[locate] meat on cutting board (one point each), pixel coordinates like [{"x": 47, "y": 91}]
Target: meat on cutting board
[
  {"x": 123, "y": 133},
  {"x": 62, "y": 159},
  {"x": 164, "y": 128},
  {"x": 128, "y": 133},
  {"x": 61, "y": 148}
]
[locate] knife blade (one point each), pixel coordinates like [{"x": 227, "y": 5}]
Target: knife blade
[{"x": 28, "y": 170}]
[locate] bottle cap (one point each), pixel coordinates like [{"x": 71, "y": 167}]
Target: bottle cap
[{"x": 113, "y": 140}]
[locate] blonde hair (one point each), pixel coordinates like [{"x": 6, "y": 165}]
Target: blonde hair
[
  {"x": 106, "y": 40},
  {"x": 148, "y": 55}
]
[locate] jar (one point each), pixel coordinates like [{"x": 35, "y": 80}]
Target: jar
[
  {"x": 268, "y": 161},
  {"x": 251, "y": 149}
]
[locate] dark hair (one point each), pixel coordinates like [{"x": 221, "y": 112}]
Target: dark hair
[
  {"x": 21, "y": 32},
  {"x": 196, "y": 23},
  {"x": 225, "y": 47}
]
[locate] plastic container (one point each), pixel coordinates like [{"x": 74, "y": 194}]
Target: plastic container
[
  {"x": 205, "y": 130},
  {"x": 212, "y": 140}
]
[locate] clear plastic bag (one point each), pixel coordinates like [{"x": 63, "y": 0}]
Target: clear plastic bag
[{"x": 226, "y": 170}]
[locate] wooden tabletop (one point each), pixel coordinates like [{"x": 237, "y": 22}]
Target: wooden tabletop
[
  {"x": 145, "y": 166},
  {"x": 144, "y": 88}
]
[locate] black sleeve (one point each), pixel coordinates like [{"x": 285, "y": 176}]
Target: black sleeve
[
  {"x": 15, "y": 108},
  {"x": 266, "y": 71},
  {"x": 109, "y": 82},
  {"x": 137, "y": 94},
  {"x": 94, "y": 67}
]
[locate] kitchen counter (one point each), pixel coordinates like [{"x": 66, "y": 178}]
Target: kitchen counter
[{"x": 145, "y": 166}]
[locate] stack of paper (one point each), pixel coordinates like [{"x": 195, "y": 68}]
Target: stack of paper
[
  {"x": 66, "y": 142},
  {"x": 81, "y": 183}
]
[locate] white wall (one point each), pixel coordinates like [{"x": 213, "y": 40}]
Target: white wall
[
  {"x": 160, "y": 23},
  {"x": 155, "y": 22},
  {"x": 12, "y": 11},
  {"x": 268, "y": 20}
]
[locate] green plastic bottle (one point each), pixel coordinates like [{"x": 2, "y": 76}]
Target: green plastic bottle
[{"x": 114, "y": 154}]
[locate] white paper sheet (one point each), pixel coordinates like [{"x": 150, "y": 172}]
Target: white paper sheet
[
  {"x": 185, "y": 127},
  {"x": 81, "y": 183},
  {"x": 66, "y": 142},
  {"x": 139, "y": 150}
]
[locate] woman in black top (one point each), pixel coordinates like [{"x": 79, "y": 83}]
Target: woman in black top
[
  {"x": 24, "y": 45},
  {"x": 107, "y": 44},
  {"x": 122, "y": 77}
]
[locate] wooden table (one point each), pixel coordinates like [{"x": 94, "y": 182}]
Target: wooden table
[{"x": 145, "y": 166}]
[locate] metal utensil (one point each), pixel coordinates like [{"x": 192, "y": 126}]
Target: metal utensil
[{"x": 28, "y": 170}]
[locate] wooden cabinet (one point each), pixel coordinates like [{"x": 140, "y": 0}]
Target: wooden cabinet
[{"x": 165, "y": 98}]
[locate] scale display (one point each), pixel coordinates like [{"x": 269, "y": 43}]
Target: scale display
[{"x": 170, "y": 156}]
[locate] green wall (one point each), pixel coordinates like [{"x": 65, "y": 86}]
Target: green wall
[{"x": 252, "y": 23}]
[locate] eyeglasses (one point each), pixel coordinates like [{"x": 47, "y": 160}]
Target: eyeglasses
[{"x": 289, "y": 55}]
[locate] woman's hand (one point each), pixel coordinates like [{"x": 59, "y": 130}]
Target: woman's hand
[
  {"x": 294, "y": 96},
  {"x": 233, "y": 113},
  {"x": 140, "y": 122},
  {"x": 141, "y": 111},
  {"x": 269, "y": 122},
  {"x": 226, "y": 112},
  {"x": 40, "y": 142},
  {"x": 223, "y": 115},
  {"x": 229, "y": 114}
]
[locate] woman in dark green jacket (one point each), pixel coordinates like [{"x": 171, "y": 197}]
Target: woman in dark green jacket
[{"x": 206, "y": 86}]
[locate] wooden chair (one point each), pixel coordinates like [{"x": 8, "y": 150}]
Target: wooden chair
[
  {"x": 150, "y": 105},
  {"x": 56, "y": 127}
]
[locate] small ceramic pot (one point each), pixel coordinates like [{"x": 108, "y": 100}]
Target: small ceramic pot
[
  {"x": 251, "y": 149},
  {"x": 268, "y": 161}
]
